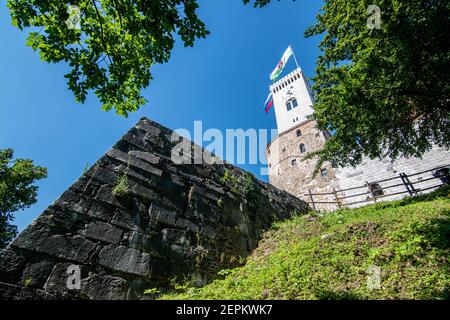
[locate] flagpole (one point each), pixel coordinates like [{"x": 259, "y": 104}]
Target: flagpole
[{"x": 295, "y": 59}]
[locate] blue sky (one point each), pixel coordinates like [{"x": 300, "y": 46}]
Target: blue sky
[{"x": 223, "y": 81}]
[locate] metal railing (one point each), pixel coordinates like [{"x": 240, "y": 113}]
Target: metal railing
[{"x": 373, "y": 191}]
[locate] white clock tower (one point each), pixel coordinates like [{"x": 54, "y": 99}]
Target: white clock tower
[
  {"x": 297, "y": 136},
  {"x": 292, "y": 99}
]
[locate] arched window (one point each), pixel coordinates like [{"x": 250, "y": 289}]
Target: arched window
[
  {"x": 302, "y": 148},
  {"x": 288, "y": 106},
  {"x": 291, "y": 104},
  {"x": 299, "y": 133}
]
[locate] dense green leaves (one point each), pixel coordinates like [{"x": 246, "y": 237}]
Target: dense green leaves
[
  {"x": 16, "y": 190},
  {"x": 382, "y": 92},
  {"x": 115, "y": 45}
]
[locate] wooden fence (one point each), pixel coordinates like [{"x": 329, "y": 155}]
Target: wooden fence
[{"x": 374, "y": 191}]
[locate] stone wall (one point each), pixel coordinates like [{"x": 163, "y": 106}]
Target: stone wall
[
  {"x": 297, "y": 179},
  {"x": 173, "y": 221}
]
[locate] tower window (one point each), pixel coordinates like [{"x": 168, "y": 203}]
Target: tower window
[
  {"x": 302, "y": 148},
  {"x": 294, "y": 162},
  {"x": 291, "y": 104},
  {"x": 288, "y": 106},
  {"x": 299, "y": 133},
  {"x": 324, "y": 173}
]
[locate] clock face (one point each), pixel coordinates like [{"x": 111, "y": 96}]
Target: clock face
[{"x": 290, "y": 92}]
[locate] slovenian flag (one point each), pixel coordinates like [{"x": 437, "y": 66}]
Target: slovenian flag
[
  {"x": 269, "y": 102},
  {"x": 279, "y": 68}
]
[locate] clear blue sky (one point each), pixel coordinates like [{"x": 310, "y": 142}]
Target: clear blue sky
[{"x": 223, "y": 81}]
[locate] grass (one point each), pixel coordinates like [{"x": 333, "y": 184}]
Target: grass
[{"x": 329, "y": 256}]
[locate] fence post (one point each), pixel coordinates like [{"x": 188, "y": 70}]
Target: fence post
[
  {"x": 405, "y": 183},
  {"x": 374, "y": 198},
  {"x": 336, "y": 198},
  {"x": 413, "y": 190},
  {"x": 312, "y": 200}
]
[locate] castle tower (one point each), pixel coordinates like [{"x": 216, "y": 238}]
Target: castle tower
[
  {"x": 297, "y": 135},
  {"x": 292, "y": 99}
]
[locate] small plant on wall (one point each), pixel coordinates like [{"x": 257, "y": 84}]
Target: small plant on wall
[
  {"x": 121, "y": 187},
  {"x": 243, "y": 184},
  {"x": 230, "y": 180}
]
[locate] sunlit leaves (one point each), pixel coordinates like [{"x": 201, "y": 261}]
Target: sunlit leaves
[
  {"x": 17, "y": 190},
  {"x": 382, "y": 92},
  {"x": 117, "y": 43}
]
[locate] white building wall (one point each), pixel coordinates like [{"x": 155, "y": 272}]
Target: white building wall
[
  {"x": 294, "y": 85},
  {"x": 377, "y": 170}
]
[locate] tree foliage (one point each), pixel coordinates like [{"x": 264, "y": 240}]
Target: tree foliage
[
  {"x": 17, "y": 190},
  {"x": 115, "y": 45},
  {"x": 382, "y": 92}
]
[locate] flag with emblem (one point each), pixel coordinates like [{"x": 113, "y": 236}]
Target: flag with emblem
[{"x": 280, "y": 66}]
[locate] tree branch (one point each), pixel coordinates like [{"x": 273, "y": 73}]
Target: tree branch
[{"x": 102, "y": 32}]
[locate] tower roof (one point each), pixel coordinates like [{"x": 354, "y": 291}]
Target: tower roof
[{"x": 285, "y": 79}]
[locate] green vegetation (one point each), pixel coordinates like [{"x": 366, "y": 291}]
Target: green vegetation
[
  {"x": 121, "y": 187},
  {"x": 380, "y": 62},
  {"x": 230, "y": 180},
  {"x": 329, "y": 256},
  {"x": 17, "y": 190},
  {"x": 394, "y": 73},
  {"x": 109, "y": 45},
  {"x": 243, "y": 184}
]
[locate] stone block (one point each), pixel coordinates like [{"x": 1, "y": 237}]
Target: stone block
[
  {"x": 36, "y": 273},
  {"x": 135, "y": 162},
  {"x": 146, "y": 156},
  {"x": 125, "y": 260},
  {"x": 14, "y": 292},
  {"x": 104, "y": 287},
  {"x": 59, "y": 282},
  {"x": 143, "y": 192},
  {"x": 105, "y": 195},
  {"x": 105, "y": 176},
  {"x": 103, "y": 231},
  {"x": 38, "y": 238},
  {"x": 11, "y": 266}
]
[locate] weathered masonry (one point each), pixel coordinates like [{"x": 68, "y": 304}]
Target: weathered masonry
[
  {"x": 298, "y": 135},
  {"x": 169, "y": 221}
]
